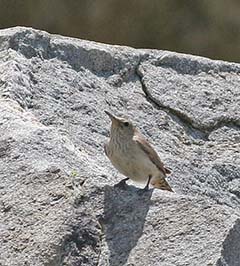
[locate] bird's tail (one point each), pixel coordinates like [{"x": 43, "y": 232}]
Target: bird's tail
[{"x": 161, "y": 183}]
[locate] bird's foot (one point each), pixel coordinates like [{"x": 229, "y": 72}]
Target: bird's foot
[
  {"x": 146, "y": 188},
  {"x": 122, "y": 184}
]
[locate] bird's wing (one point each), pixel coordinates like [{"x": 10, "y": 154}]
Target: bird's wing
[{"x": 148, "y": 149}]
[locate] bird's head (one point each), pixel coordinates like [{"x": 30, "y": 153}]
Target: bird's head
[{"x": 121, "y": 126}]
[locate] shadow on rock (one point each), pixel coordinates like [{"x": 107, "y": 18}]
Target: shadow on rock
[
  {"x": 124, "y": 217},
  {"x": 231, "y": 246}
]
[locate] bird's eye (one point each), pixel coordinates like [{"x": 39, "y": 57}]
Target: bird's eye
[{"x": 126, "y": 124}]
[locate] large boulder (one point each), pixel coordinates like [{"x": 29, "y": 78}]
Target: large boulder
[{"x": 58, "y": 202}]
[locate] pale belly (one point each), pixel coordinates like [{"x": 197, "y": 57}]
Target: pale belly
[{"x": 137, "y": 166}]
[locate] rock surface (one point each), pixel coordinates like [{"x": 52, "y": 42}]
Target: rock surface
[{"x": 57, "y": 200}]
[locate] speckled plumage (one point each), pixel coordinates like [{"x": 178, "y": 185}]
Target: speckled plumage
[{"x": 133, "y": 156}]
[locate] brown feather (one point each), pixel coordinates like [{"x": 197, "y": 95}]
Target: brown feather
[
  {"x": 148, "y": 149},
  {"x": 162, "y": 184}
]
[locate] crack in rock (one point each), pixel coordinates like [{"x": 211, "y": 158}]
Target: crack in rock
[{"x": 184, "y": 119}]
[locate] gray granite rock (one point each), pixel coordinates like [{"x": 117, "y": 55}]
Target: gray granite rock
[{"x": 57, "y": 200}]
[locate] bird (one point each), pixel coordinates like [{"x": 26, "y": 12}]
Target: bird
[{"x": 133, "y": 156}]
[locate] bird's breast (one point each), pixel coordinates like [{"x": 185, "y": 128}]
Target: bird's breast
[{"x": 132, "y": 162}]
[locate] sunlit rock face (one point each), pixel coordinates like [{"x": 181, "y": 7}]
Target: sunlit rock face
[{"x": 58, "y": 202}]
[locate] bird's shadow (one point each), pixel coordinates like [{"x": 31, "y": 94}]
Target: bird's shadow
[{"x": 124, "y": 217}]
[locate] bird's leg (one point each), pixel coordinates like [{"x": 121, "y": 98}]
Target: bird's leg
[
  {"x": 122, "y": 183},
  {"x": 146, "y": 188}
]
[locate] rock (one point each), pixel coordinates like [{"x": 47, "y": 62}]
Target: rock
[
  {"x": 58, "y": 203},
  {"x": 230, "y": 251}
]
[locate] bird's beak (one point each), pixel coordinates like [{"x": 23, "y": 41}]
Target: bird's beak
[{"x": 112, "y": 117}]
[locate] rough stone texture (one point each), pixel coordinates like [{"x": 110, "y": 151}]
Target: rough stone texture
[{"x": 57, "y": 200}]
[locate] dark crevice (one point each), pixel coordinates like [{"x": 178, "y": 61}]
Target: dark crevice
[
  {"x": 176, "y": 115},
  {"x": 227, "y": 122},
  {"x": 202, "y": 132}
]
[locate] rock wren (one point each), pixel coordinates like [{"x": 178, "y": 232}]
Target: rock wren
[{"x": 133, "y": 156}]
